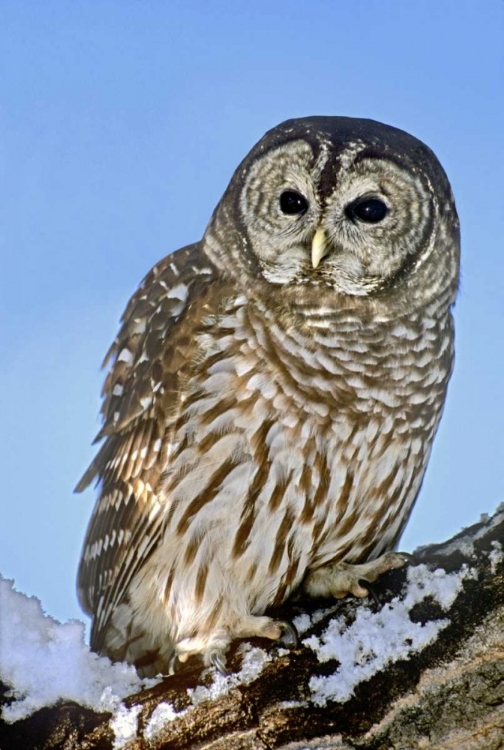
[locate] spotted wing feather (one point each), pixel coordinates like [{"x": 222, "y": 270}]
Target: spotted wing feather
[{"x": 145, "y": 363}]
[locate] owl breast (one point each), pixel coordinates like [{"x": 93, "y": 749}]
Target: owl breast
[{"x": 291, "y": 447}]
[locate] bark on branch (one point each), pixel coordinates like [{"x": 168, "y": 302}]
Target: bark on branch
[{"x": 447, "y": 695}]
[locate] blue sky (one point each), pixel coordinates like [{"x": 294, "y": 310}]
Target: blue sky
[{"x": 121, "y": 123}]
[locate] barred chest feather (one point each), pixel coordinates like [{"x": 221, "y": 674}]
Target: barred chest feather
[{"x": 288, "y": 451}]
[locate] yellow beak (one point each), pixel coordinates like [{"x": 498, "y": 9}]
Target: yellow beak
[{"x": 318, "y": 248}]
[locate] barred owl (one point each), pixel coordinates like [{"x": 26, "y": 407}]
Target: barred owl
[{"x": 272, "y": 395}]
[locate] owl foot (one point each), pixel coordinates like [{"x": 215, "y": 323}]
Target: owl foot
[
  {"x": 255, "y": 627},
  {"x": 341, "y": 578},
  {"x": 266, "y": 627},
  {"x": 213, "y": 648},
  {"x": 260, "y": 627}
]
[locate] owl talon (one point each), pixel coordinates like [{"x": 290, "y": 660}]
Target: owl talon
[
  {"x": 172, "y": 664},
  {"x": 372, "y": 593},
  {"x": 290, "y": 632},
  {"x": 217, "y": 660}
]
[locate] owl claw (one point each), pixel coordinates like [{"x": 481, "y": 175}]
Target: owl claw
[
  {"x": 289, "y": 631},
  {"x": 172, "y": 664},
  {"x": 217, "y": 660},
  {"x": 372, "y": 593}
]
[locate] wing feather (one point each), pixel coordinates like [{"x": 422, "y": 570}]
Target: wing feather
[{"x": 144, "y": 363}]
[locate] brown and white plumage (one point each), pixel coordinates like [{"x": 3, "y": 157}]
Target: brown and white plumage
[{"x": 273, "y": 394}]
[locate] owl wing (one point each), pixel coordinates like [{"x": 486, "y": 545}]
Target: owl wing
[{"x": 140, "y": 394}]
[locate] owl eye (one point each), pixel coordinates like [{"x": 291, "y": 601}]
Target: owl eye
[
  {"x": 370, "y": 210},
  {"x": 292, "y": 203}
]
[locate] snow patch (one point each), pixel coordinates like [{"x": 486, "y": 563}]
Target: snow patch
[
  {"x": 162, "y": 714},
  {"x": 292, "y": 704},
  {"x": 253, "y": 663},
  {"x": 44, "y": 661},
  {"x": 495, "y": 556},
  {"x": 302, "y": 623},
  {"x": 376, "y": 639},
  {"x": 124, "y": 725}
]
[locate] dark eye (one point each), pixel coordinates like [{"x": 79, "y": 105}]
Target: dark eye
[
  {"x": 370, "y": 210},
  {"x": 292, "y": 203}
]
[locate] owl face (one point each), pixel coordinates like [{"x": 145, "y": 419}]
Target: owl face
[{"x": 340, "y": 203}]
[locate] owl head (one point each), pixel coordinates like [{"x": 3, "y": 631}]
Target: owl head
[{"x": 348, "y": 205}]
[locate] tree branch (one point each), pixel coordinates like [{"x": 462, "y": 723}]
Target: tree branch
[{"x": 422, "y": 668}]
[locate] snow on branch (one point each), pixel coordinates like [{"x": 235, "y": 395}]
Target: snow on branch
[
  {"x": 44, "y": 661},
  {"x": 358, "y": 665}
]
